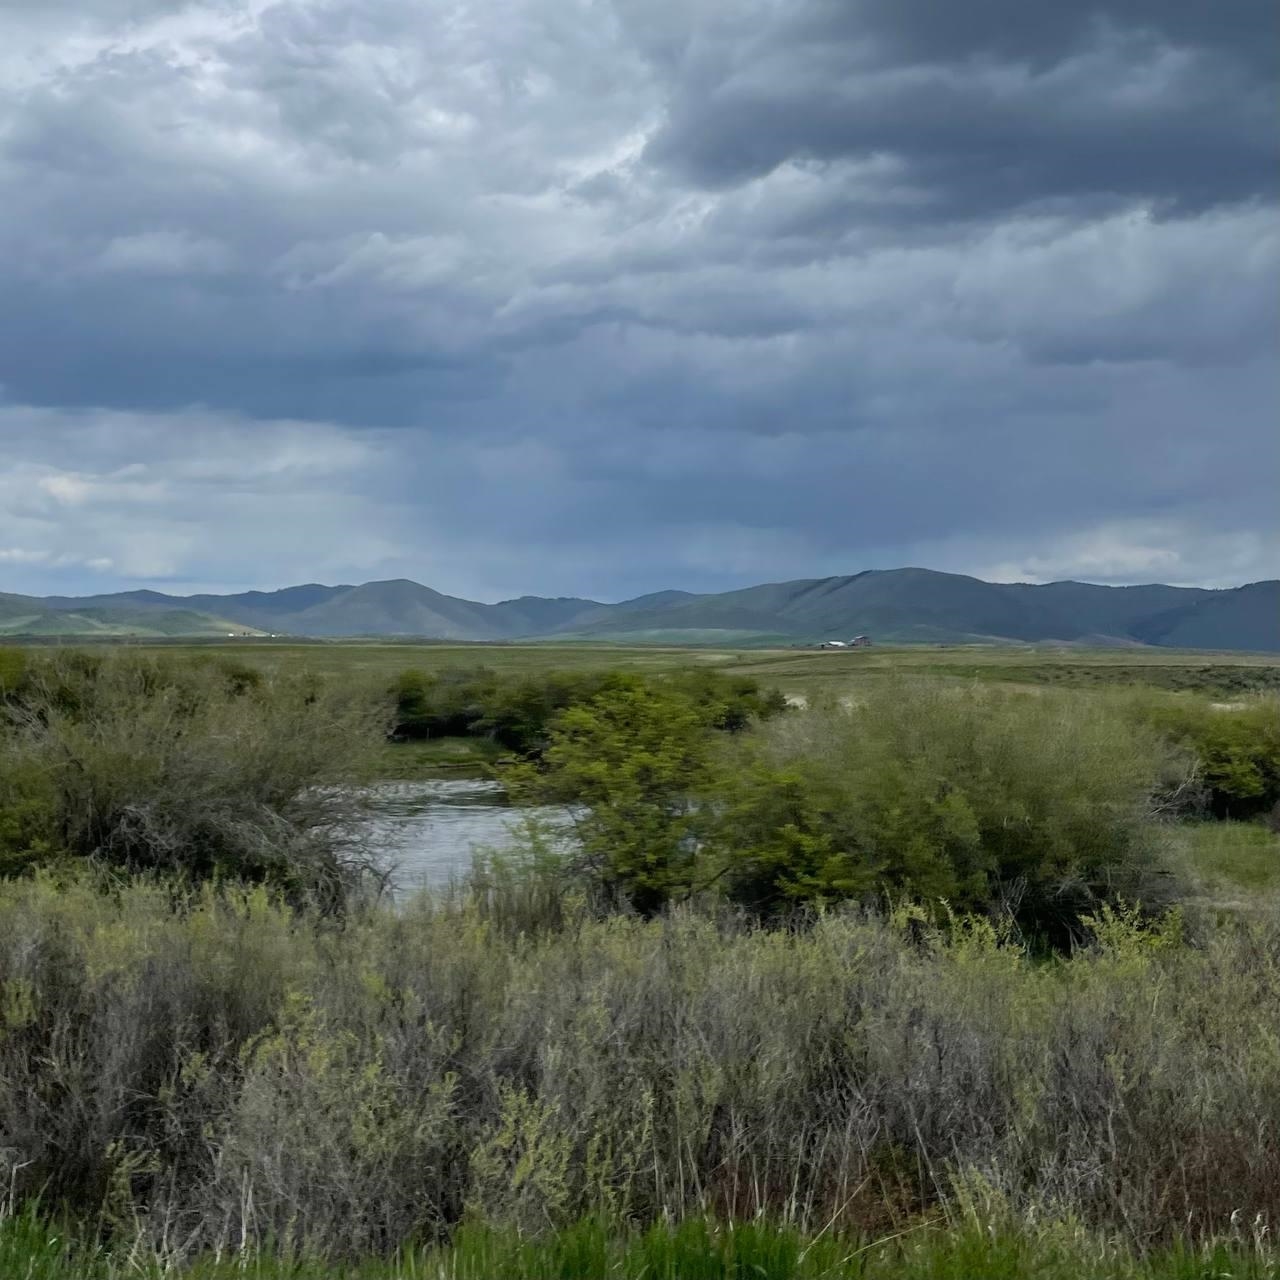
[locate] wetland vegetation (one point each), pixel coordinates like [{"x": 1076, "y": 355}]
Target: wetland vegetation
[{"x": 955, "y": 970}]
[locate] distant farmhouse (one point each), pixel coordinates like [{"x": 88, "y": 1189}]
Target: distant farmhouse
[{"x": 858, "y": 642}]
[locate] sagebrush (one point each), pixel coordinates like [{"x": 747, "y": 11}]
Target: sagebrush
[{"x": 220, "y": 1068}]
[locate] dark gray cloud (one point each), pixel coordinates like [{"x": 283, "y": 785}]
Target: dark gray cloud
[
  {"x": 991, "y": 106},
  {"x": 525, "y": 295}
]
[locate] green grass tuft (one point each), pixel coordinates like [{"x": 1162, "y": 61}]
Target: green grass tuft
[{"x": 691, "y": 1250}]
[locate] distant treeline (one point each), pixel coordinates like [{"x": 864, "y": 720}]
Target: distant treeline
[{"x": 518, "y": 711}]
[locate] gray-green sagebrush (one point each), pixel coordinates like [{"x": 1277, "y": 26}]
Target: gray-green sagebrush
[{"x": 220, "y": 1070}]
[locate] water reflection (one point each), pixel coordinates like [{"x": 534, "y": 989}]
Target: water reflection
[{"x": 428, "y": 830}]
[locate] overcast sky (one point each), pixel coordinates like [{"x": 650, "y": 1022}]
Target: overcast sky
[{"x": 596, "y": 297}]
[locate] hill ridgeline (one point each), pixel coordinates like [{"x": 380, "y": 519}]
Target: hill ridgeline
[{"x": 889, "y": 605}]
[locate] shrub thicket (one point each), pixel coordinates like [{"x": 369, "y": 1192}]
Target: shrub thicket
[
  {"x": 220, "y": 1069},
  {"x": 1040, "y": 806},
  {"x": 1035, "y": 806},
  {"x": 1238, "y": 747},
  {"x": 203, "y": 767},
  {"x": 517, "y": 711}
]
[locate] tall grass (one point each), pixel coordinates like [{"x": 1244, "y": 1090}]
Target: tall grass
[{"x": 220, "y": 1071}]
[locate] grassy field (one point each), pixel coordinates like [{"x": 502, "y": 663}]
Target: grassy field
[
  {"x": 1229, "y": 864},
  {"x": 798, "y": 671}
]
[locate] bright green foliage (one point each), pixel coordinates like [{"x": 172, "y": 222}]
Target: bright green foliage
[
  {"x": 636, "y": 758},
  {"x": 1238, "y": 748},
  {"x": 729, "y": 703},
  {"x": 691, "y": 1250},
  {"x": 971, "y": 795}
]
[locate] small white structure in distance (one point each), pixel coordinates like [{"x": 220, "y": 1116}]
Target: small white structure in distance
[{"x": 833, "y": 644}]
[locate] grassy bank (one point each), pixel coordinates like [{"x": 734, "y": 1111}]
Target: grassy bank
[
  {"x": 1229, "y": 863},
  {"x": 695, "y": 1250},
  {"x": 443, "y": 757}
]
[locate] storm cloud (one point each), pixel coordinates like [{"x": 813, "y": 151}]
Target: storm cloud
[{"x": 603, "y": 296}]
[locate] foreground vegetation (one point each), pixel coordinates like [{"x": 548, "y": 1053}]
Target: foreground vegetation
[
  {"x": 218, "y": 1069},
  {"x": 935, "y": 977}
]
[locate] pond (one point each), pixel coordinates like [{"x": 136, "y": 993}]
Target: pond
[{"x": 427, "y": 830}]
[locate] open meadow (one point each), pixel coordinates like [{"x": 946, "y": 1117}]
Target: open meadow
[{"x": 794, "y": 670}]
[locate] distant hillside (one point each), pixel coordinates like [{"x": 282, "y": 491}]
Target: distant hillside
[
  {"x": 920, "y": 605},
  {"x": 895, "y": 605},
  {"x": 1246, "y": 618},
  {"x": 29, "y": 616}
]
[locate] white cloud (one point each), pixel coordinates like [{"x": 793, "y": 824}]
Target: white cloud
[
  {"x": 178, "y": 496},
  {"x": 1172, "y": 551}
]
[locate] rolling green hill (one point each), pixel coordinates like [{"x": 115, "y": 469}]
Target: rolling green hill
[
  {"x": 1246, "y": 618},
  {"x": 30, "y": 616},
  {"x": 896, "y": 605},
  {"x": 920, "y": 605}
]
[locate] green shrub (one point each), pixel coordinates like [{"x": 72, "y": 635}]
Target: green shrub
[
  {"x": 1036, "y": 804},
  {"x": 1238, "y": 748},
  {"x": 197, "y": 767},
  {"x": 636, "y": 762}
]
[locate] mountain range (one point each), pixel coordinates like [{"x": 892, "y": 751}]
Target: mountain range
[{"x": 893, "y": 605}]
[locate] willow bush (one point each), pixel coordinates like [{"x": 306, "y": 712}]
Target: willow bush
[
  {"x": 201, "y": 767},
  {"x": 1037, "y": 805}
]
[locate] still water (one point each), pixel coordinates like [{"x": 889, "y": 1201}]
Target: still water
[{"x": 427, "y": 831}]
